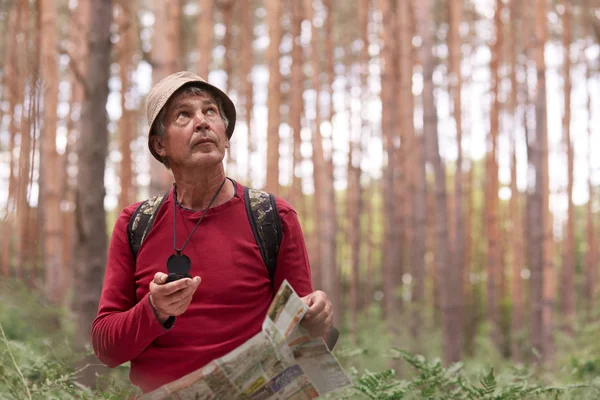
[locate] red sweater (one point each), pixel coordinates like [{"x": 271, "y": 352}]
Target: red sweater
[{"x": 228, "y": 307}]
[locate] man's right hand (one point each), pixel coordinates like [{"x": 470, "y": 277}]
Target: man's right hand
[{"x": 173, "y": 298}]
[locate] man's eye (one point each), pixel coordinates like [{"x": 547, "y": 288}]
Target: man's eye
[
  {"x": 211, "y": 110},
  {"x": 183, "y": 114}
]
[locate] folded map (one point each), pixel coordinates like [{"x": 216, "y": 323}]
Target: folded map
[{"x": 281, "y": 362}]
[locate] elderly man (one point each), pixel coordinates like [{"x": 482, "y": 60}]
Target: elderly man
[{"x": 168, "y": 328}]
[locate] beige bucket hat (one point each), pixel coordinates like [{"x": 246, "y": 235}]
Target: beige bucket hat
[{"x": 161, "y": 93}]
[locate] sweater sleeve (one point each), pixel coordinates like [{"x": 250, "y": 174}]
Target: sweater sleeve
[
  {"x": 292, "y": 260},
  {"x": 123, "y": 327}
]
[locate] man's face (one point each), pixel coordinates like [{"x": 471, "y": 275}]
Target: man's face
[{"x": 195, "y": 132}]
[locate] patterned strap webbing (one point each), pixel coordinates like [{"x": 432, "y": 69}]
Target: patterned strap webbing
[
  {"x": 266, "y": 226},
  {"x": 141, "y": 221}
]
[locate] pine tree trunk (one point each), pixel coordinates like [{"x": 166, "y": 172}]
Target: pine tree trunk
[
  {"x": 165, "y": 59},
  {"x": 10, "y": 96},
  {"x": 430, "y": 118},
  {"x": 205, "y": 37},
  {"x": 388, "y": 128},
  {"x": 326, "y": 258},
  {"x": 515, "y": 230},
  {"x": 91, "y": 237},
  {"x": 591, "y": 255},
  {"x": 494, "y": 261},
  {"x": 331, "y": 224},
  {"x": 50, "y": 183},
  {"x": 296, "y": 101},
  {"x": 247, "y": 61},
  {"x": 405, "y": 189},
  {"x": 228, "y": 11},
  {"x": 455, "y": 83},
  {"x": 127, "y": 122},
  {"x": 27, "y": 252},
  {"x": 78, "y": 48},
  {"x": 567, "y": 288},
  {"x": 353, "y": 225},
  {"x": 541, "y": 272},
  {"x": 274, "y": 12}
]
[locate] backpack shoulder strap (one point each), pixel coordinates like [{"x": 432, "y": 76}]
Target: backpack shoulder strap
[
  {"x": 266, "y": 226},
  {"x": 142, "y": 220}
]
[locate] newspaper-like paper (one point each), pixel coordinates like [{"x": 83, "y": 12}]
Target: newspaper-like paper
[{"x": 282, "y": 362}]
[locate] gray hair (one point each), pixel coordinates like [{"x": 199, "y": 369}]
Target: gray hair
[{"x": 159, "y": 128}]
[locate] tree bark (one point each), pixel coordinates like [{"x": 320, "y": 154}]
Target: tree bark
[
  {"x": 567, "y": 281},
  {"x": 388, "y": 128},
  {"x": 494, "y": 256},
  {"x": 127, "y": 123},
  {"x": 541, "y": 273},
  {"x": 274, "y": 12},
  {"x": 205, "y": 37},
  {"x": 430, "y": 118},
  {"x": 50, "y": 184},
  {"x": 10, "y": 94},
  {"x": 90, "y": 218},
  {"x": 296, "y": 100},
  {"x": 248, "y": 90},
  {"x": 515, "y": 230},
  {"x": 455, "y": 83},
  {"x": 326, "y": 258},
  {"x": 165, "y": 61},
  {"x": 591, "y": 255}
]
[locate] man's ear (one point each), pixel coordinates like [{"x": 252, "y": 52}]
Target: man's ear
[
  {"x": 157, "y": 144},
  {"x": 227, "y": 143}
]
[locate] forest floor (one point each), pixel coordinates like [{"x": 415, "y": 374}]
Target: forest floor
[{"x": 37, "y": 361}]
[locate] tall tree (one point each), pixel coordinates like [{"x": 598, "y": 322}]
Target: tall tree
[
  {"x": 50, "y": 183},
  {"x": 567, "y": 281},
  {"x": 296, "y": 101},
  {"x": 165, "y": 61},
  {"x": 430, "y": 118},
  {"x": 515, "y": 230},
  {"x": 495, "y": 265},
  {"x": 326, "y": 253},
  {"x": 10, "y": 93},
  {"x": 591, "y": 255},
  {"x": 205, "y": 37},
  {"x": 274, "y": 12},
  {"x": 90, "y": 217},
  {"x": 419, "y": 222},
  {"x": 27, "y": 76},
  {"x": 455, "y": 12},
  {"x": 228, "y": 11},
  {"x": 78, "y": 54},
  {"x": 330, "y": 224},
  {"x": 541, "y": 271},
  {"x": 353, "y": 209},
  {"x": 127, "y": 122},
  {"x": 246, "y": 55},
  {"x": 389, "y": 108}
]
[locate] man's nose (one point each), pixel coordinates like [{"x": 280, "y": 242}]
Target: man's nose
[{"x": 201, "y": 121}]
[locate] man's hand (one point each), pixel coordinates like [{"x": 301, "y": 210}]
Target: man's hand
[
  {"x": 173, "y": 298},
  {"x": 319, "y": 317}
]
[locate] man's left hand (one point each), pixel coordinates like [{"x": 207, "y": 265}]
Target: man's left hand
[{"x": 319, "y": 317}]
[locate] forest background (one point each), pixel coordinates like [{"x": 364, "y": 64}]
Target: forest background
[{"x": 442, "y": 156}]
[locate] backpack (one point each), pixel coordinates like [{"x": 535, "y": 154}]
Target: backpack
[{"x": 262, "y": 215}]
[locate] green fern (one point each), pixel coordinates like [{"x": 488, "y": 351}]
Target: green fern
[{"x": 380, "y": 385}]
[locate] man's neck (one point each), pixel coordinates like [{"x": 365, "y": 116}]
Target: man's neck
[{"x": 195, "y": 191}]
